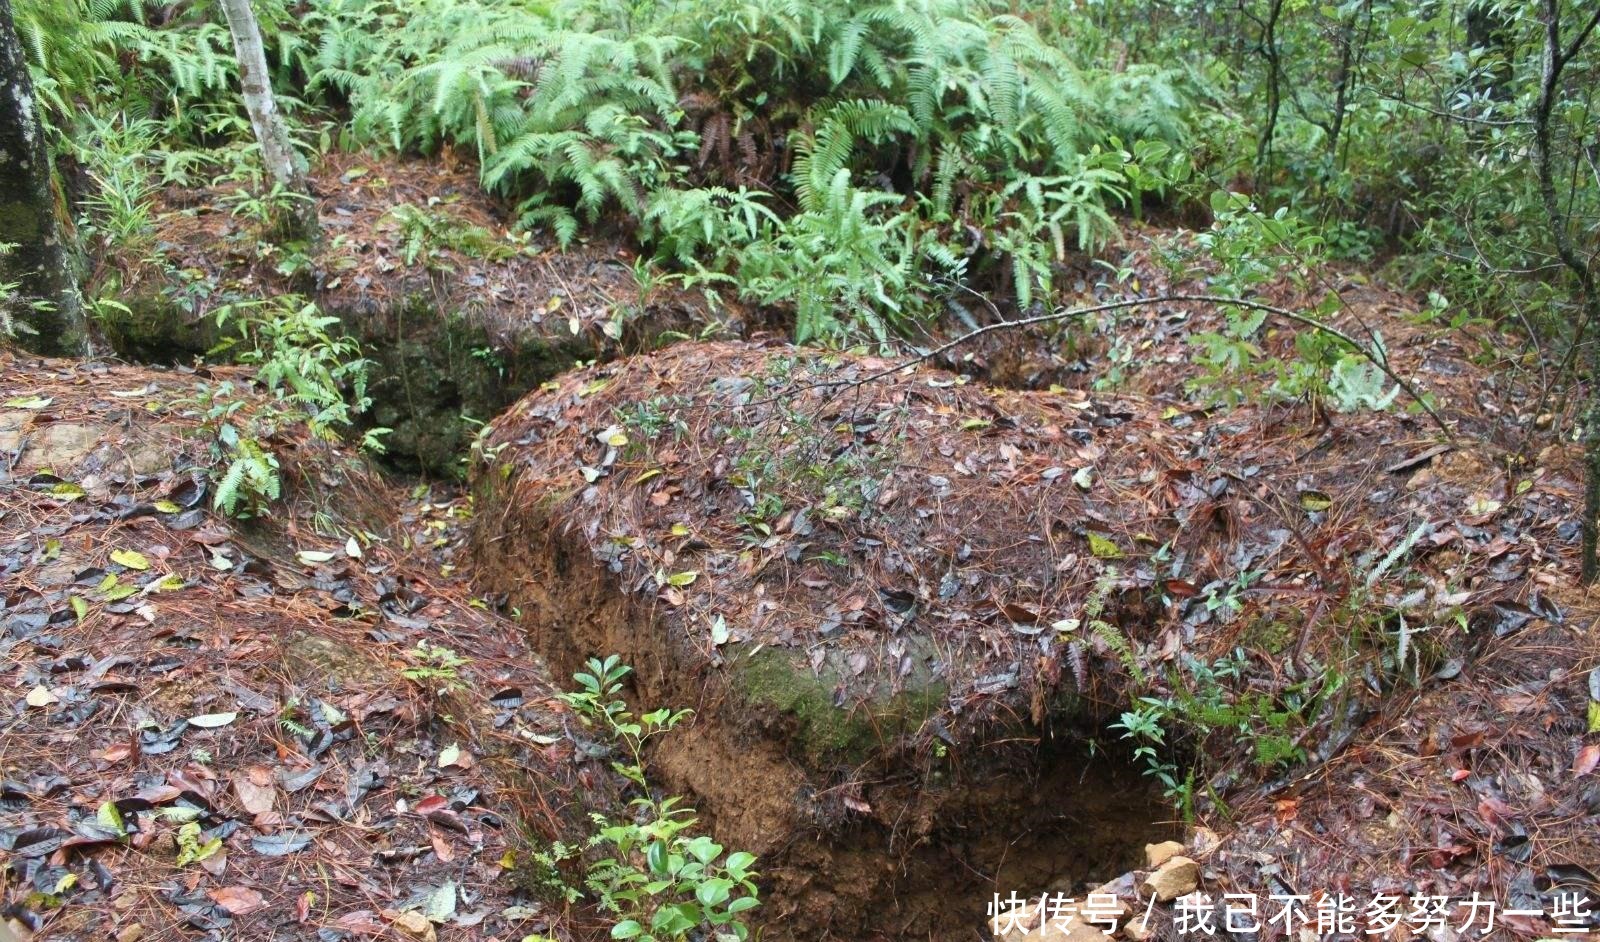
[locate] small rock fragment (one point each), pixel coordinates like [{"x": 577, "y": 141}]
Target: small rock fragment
[
  {"x": 1177, "y": 877},
  {"x": 1136, "y": 931},
  {"x": 1157, "y": 854},
  {"x": 413, "y": 924}
]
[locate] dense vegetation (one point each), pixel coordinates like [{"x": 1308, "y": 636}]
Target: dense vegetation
[
  {"x": 886, "y": 176},
  {"x": 864, "y": 167},
  {"x": 855, "y": 160}
]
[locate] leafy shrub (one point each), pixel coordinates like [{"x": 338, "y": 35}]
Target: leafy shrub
[
  {"x": 660, "y": 882},
  {"x": 308, "y": 371}
]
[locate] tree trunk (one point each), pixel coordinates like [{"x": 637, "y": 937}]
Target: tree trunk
[
  {"x": 1273, "y": 56},
  {"x": 276, "y": 151},
  {"x": 44, "y": 309},
  {"x": 1555, "y": 61}
]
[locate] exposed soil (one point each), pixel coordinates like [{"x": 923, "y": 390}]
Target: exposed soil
[{"x": 878, "y": 596}]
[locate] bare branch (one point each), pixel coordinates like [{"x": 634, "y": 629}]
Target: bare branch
[{"x": 1373, "y": 355}]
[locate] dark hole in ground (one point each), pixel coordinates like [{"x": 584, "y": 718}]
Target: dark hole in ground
[{"x": 1077, "y": 822}]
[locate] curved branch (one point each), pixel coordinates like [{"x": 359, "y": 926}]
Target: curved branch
[{"x": 1374, "y": 356}]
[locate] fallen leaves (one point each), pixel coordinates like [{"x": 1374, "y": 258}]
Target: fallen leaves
[
  {"x": 130, "y": 559},
  {"x": 237, "y": 900},
  {"x": 254, "y": 789},
  {"x": 1588, "y": 757}
]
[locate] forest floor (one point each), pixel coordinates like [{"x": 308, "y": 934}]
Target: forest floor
[
  {"x": 296, "y": 727},
  {"x": 896, "y": 662}
]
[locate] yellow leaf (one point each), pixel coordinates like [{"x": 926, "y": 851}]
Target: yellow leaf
[
  {"x": 1103, "y": 547},
  {"x": 1315, "y": 501},
  {"x": 130, "y": 559},
  {"x": 683, "y": 578}
]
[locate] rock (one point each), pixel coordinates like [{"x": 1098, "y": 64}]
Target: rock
[
  {"x": 1076, "y": 931},
  {"x": 413, "y": 924},
  {"x": 1178, "y": 876},
  {"x": 1121, "y": 890},
  {"x": 1157, "y": 854},
  {"x": 1136, "y": 931}
]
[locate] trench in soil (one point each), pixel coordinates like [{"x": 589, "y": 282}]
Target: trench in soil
[{"x": 903, "y": 842}]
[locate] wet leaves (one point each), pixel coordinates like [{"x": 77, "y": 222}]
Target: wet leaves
[{"x": 280, "y": 844}]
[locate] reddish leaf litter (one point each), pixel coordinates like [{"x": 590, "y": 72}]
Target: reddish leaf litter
[
  {"x": 518, "y": 289},
  {"x": 225, "y": 730},
  {"x": 1404, "y": 605}
]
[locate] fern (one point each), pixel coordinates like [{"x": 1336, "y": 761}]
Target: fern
[{"x": 1108, "y": 634}]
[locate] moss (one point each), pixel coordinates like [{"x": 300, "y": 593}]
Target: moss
[
  {"x": 155, "y": 329},
  {"x": 781, "y": 683},
  {"x": 436, "y": 375},
  {"x": 19, "y": 223}
]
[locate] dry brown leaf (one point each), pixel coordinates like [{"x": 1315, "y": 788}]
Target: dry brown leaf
[
  {"x": 255, "y": 795},
  {"x": 237, "y": 900}
]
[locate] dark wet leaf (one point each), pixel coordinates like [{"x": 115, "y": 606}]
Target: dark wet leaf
[
  {"x": 157, "y": 742},
  {"x": 280, "y": 844},
  {"x": 34, "y": 842},
  {"x": 300, "y": 780},
  {"x": 1511, "y": 616},
  {"x": 1515, "y": 846},
  {"x": 1572, "y": 876}
]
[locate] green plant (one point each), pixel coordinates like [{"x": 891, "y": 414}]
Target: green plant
[
  {"x": 301, "y": 361},
  {"x": 305, "y": 369},
  {"x": 660, "y": 880},
  {"x": 843, "y": 256},
  {"x": 426, "y": 233},
  {"x": 435, "y": 667}
]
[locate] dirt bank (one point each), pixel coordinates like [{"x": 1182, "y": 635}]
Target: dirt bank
[
  {"x": 879, "y": 595},
  {"x": 458, "y": 316}
]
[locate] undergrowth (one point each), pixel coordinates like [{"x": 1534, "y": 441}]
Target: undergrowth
[
  {"x": 649, "y": 869},
  {"x": 312, "y": 375}
]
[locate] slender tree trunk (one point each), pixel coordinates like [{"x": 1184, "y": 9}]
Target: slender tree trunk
[
  {"x": 1555, "y": 62},
  {"x": 1273, "y": 55},
  {"x": 46, "y": 314},
  {"x": 272, "y": 134}
]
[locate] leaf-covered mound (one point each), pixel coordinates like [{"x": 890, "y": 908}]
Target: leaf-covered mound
[
  {"x": 918, "y": 526},
  {"x": 888, "y": 574},
  {"x": 458, "y": 316},
  {"x": 293, "y": 728}
]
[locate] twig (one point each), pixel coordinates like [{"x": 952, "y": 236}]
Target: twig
[{"x": 1375, "y": 357}]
